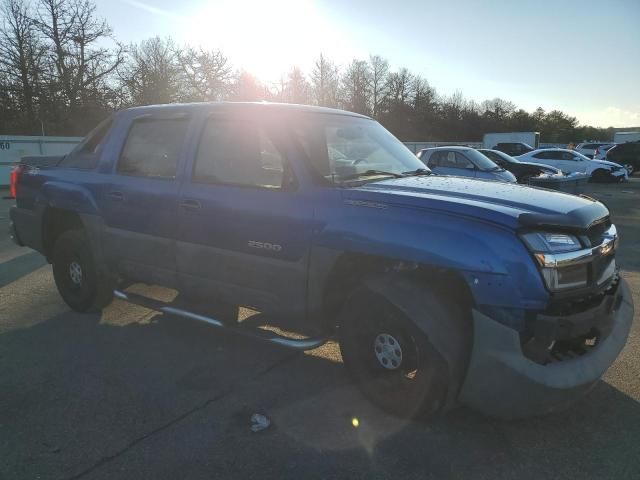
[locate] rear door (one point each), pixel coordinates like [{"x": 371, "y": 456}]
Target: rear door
[
  {"x": 244, "y": 227},
  {"x": 571, "y": 162},
  {"x": 139, "y": 200}
]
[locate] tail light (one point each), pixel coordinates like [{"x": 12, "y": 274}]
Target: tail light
[{"x": 13, "y": 180}]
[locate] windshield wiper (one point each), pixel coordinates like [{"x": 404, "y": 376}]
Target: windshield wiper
[
  {"x": 371, "y": 173},
  {"x": 418, "y": 171}
]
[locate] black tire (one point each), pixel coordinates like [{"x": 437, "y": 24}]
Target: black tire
[
  {"x": 600, "y": 176},
  {"x": 90, "y": 291},
  {"x": 415, "y": 387}
]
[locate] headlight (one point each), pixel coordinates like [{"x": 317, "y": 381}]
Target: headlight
[
  {"x": 561, "y": 257},
  {"x": 551, "y": 242}
]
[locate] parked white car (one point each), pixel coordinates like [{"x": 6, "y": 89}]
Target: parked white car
[
  {"x": 571, "y": 161},
  {"x": 589, "y": 149}
]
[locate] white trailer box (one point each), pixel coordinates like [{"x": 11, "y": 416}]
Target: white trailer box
[
  {"x": 14, "y": 147},
  {"x": 532, "y": 139},
  {"x": 624, "y": 137}
]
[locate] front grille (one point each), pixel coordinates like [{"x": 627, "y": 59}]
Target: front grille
[
  {"x": 570, "y": 329},
  {"x": 596, "y": 232}
]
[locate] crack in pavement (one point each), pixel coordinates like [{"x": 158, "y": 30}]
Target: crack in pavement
[{"x": 106, "y": 459}]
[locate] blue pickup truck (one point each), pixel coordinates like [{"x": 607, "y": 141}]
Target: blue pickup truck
[{"x": 440, "y": 290}]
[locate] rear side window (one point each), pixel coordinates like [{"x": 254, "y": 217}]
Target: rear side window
[
  {"x": 544, "y": 155},
  {"x": 153, "y": 147},
  {"x": 435, "y": 160},
  {"x": 238, "y": 152},
  {"x": 85, "y": 155}
]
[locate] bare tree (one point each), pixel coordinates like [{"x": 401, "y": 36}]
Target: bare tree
[
  {"x": 152, "y": 73},
  {"x": 297, "y": 89},
  {"x": 21, "y": 55},
  {"x": 424, "y": 96},
  {"x": 207, "y": 74},
  {"x": 379, "y": 68},
  {"x": 324, "y": 82},
  {"x": 400, "y": 86},
  {"x": 498, "y": 108},
  {"x": 247, "y": 88},
  {"x": 355, "y": 87},
  {"x": 80, "y": 64}
]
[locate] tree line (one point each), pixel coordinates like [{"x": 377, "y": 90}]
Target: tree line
[{"x": 59, "y": 76}]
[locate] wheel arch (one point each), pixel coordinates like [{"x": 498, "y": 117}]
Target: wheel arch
[
  {"x": 56, "y": 221},
  {"x": 352, "y": 270}
]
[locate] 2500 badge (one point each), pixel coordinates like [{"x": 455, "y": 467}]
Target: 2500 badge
[{"x": 274, "y": 247}]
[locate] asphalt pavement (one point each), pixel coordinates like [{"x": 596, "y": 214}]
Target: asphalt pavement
[{"x": 132, "y": 394}]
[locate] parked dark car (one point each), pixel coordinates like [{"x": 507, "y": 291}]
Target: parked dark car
[
  {"x": 627, "y": 155},
  {"x": 522, "y": 170},
  {"x": 514, "y": 149}
]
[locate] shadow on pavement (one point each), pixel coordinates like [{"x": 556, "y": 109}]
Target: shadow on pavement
[
  {"x": 18, "y": 267},
  {"x": 101, "y": 396}
]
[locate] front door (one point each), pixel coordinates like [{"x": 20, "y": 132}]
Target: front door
[
  {"x": 452, "y": 163},
  {"x": 245, "y": 229}
]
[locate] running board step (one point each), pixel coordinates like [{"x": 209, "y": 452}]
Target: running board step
[{"x": 265, "y": 335}]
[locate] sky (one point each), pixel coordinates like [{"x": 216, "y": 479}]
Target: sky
[{"x": 581, "y": 57}]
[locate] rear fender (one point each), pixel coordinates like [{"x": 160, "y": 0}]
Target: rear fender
[{"x": 67, "y": 196}]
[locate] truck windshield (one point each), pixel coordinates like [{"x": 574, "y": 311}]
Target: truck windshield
[{"x": 342, "y": 148}]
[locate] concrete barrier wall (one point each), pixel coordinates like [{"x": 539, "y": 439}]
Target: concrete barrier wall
[
  {"x": 14, "y": 147},
  {"x": 415, "y": 147}
]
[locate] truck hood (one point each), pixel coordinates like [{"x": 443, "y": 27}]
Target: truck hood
[{"x": 511, "y": 205}]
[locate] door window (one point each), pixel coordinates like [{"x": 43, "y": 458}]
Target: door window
[
  {"x": 464, "y": 162},
  {"x": 238, "y": 152},
  {"x": 153, "y": 147}
]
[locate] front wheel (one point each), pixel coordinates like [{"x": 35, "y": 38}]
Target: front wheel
[
  {"x": 629, "y": 167},
  {"x": 77, "y": 277},
  {"x": 390, "y": 358},
  {"x": 600, "y": 176}
]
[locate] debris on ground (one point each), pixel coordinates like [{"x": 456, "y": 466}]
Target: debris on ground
[{"x": 259, "y": 422}]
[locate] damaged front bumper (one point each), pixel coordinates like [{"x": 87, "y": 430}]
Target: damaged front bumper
[{"x": 502, "y": 382}]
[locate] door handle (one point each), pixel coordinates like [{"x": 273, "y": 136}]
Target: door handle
[
  {"x": 190, "y": 204},
  {"x": 115, "y": 195}
]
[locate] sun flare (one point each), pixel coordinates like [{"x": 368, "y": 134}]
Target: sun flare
[{"x": 266, "y": 38}]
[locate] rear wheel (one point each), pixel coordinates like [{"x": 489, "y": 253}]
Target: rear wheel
[
  {"x": 76, "y": 274},
  {"x": 390, "y": 358}
]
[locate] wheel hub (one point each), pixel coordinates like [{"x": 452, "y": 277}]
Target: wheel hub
[
  {"x": 75, "y": 273},
  {"x": 388, "y": 351}
]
